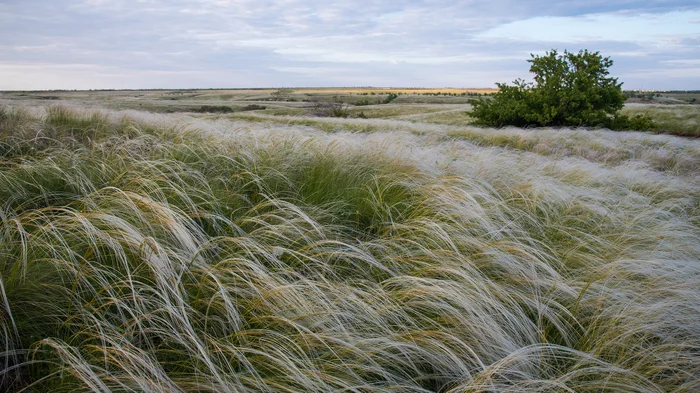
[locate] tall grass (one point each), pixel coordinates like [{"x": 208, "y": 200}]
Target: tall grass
[
  {"x": 670, "y": 119},
  {"x": 143, "y": 257}
]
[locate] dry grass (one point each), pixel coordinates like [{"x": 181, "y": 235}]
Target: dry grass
[
  {"x": 681, "y": 120},
  {"x": 402, "y": 90},
  {"x": 251, "y": 256}
]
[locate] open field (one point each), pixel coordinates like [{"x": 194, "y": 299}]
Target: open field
[
  {"x": 403, "y": 90},
  {"x": 665, "y": 97},
  {"x": 447, "y": 108},
  {"x": 145, "y": 248}
]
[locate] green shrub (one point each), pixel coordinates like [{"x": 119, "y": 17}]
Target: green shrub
[
  {"x": 213, "y": 109},
  {"x": 389, "y": 98},
  {"x": 571, "y": 90},
  {"x": 637, "y": 122},
  {"x": 330, "y": 109},
  {"x": 253, "y": 107},
  {"x": 282, "y": 95}
]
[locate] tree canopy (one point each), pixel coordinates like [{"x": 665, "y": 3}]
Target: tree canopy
[{"x": 569, "y": 89}]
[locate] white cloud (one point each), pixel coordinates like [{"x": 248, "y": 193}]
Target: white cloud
[
  {"x": 646, "y": 28},
  {"x": 660, "y": 73},
  {"x": 189, "y": 43},
  {"x": 683, "y": 62}
]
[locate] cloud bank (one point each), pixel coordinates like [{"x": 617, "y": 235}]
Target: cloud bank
[{"x": 82, "y": 44}]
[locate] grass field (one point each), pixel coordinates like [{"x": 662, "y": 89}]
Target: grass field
[
  {"x": 272, "y": 251},
  {"x": 671, "y": 119},
  {"x": 434, "y": 106}
]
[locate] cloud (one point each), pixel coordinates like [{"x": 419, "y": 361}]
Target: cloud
[
  {"x": 655, "y": 29},
  {"x": 255, "y": 43},
  {"x": 683, "y": 62}
]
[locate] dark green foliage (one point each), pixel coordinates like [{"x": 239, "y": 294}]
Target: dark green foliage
[
  {"x": 389, "y": 98},
  {"x": 641, "y": 122},
  {"x": 569, "y": 90},
  {"x": 508, "y": 107},
  {"x": 213, "y": 109},
  {"x": 253, "y": 107},
  {"x": 330, "y": 109},
  {"x": 282, "y": 95},
  {"x": 643, "y": 96}
]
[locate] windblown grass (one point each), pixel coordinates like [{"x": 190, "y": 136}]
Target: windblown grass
[
  {"x": 681, "y": 120},
  {"x": 280, "y": 258}
]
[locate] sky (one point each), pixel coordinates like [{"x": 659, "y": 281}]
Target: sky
[{"x": 131, "y": 44}]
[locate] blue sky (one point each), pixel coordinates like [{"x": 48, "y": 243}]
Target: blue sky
[{"x": 83, "y": 44}]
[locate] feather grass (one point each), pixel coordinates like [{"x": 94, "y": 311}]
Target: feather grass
[{"x": 143, "y": 257}]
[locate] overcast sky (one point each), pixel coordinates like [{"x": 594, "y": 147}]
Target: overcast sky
[{"x": 83, "y": 44}]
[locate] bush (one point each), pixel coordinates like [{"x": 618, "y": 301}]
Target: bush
[
  {"x": 569, "y": 89},
  {"x": 213, "y": 109},
  {"x": 389, "y": 98},
  {"x": 330, "y": 109},
  {"x": 253, "y": 107},
  {"x": 637, "y": 122},
  {"x": 281, "y": 95}
]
